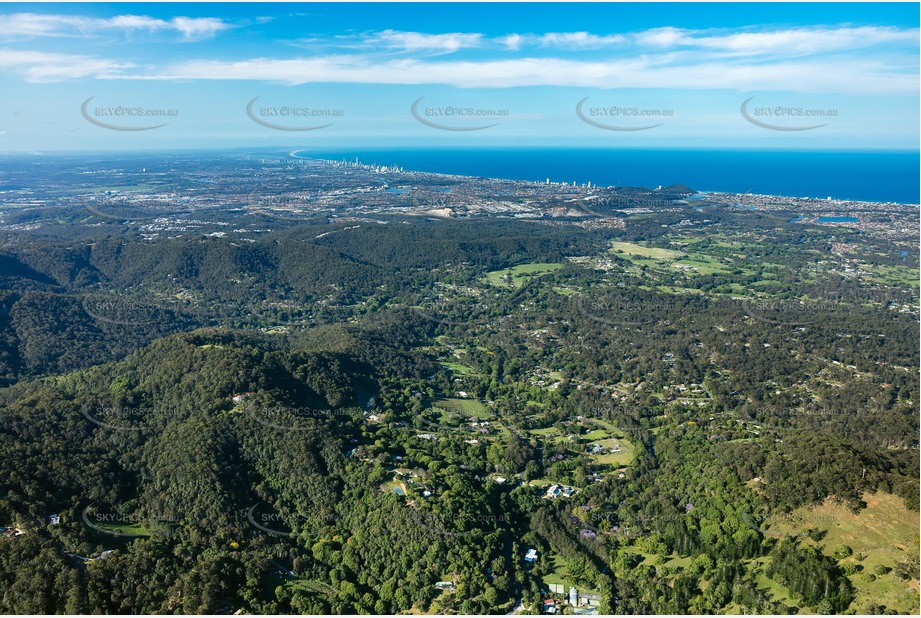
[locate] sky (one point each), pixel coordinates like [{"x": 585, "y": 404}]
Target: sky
[{"x": 835, "y": 76}]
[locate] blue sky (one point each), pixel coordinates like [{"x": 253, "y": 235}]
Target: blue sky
[{"x": 829, "y": 76}]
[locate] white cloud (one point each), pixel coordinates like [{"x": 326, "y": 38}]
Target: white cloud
[
  {"x": 512, "y": 41},
  {"x": 583, "y": 40},
  {"x": 572, "y": 40},
  {"x": 38, "y": 67},
  {"x": 796, "y": 41},
  {"x": 37, "y": 25},
  {"x": 838, "y": 76},
  {"x": 802, "y": 60},
  {"x": 418, "y": 41},
  {"x": 661, "y": 37},
  {"x": 198, "y": 27}
]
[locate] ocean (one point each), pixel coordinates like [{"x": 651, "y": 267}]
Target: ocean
[{"x": 866, "y": 176}]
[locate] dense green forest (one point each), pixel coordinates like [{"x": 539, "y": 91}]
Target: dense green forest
[{"x": 334, "y": 420}]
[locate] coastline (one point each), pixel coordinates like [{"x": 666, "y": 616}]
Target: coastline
[{"x": 829, "y": 199}]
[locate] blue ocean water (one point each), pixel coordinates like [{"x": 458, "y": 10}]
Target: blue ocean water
[{"x": 867, "y": 176}]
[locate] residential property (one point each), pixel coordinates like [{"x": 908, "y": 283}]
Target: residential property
[
  {"x": 444, "y": 585},
  {"x": 573, "y": 596},
  {"x": 531, "y": 556},
  {"x": 555, "y": 491},
  {"x": 590, "y": 599},
  {"x": 54, "y": 519}
]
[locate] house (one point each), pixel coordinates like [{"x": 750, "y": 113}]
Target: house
[
  {"x": 573, "y": 596},
  {"x": 240, "y": 397},
  {"x": 591, "y": 599},
  {"x": 462, "y": 394},
  {"x": 444, "y": 585},
  {"x": 471, "y": 441},
  {"x": 531, "y": 556},
  {"x": 553, "y": 492},
  {"x": 54, "y": 519},
  {"x": 427, "y": 436},
  {"x": 567, "y": 491},
  {"x": 500, "y": 479},
  {"x": 550, "y": 606}
]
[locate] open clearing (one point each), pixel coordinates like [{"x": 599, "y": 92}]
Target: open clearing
[
  {"x": 464, "y": 408},
  {"x": 517, "y": 276},
  {"x": 881, "y": 535}
]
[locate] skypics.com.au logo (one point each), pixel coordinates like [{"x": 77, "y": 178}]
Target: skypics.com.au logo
[
  {"x": 621, "y": 117},
  {"x": 271, "y": 116},
  {"x": 785, "y": 117},
  {"x": 125, "y": 117},
  {"x": 456, "y": 117}
]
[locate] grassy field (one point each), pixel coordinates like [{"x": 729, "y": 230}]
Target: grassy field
[
  {"x": 899, "y": 276},
  {"x": 310, "y": 585},
  {"x": 559, "y": 574},
  {"x": 458, "y": 368},
  {"x": 693, "y": 262},
  {"x": 882, "y": 535},
  {"x": 517, "y": 276},
  {"x": 648, "y": 252},
  {"x": 703, "y": 264},
  {"x": 613, "y": 459},
  {"x": 137, "y": 528},
  {"x": 464, "y": 408}
]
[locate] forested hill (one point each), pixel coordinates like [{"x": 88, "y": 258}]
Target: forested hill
[
  {"x": 405, "y": 416},
  {"x": 72, "y": 303}
]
